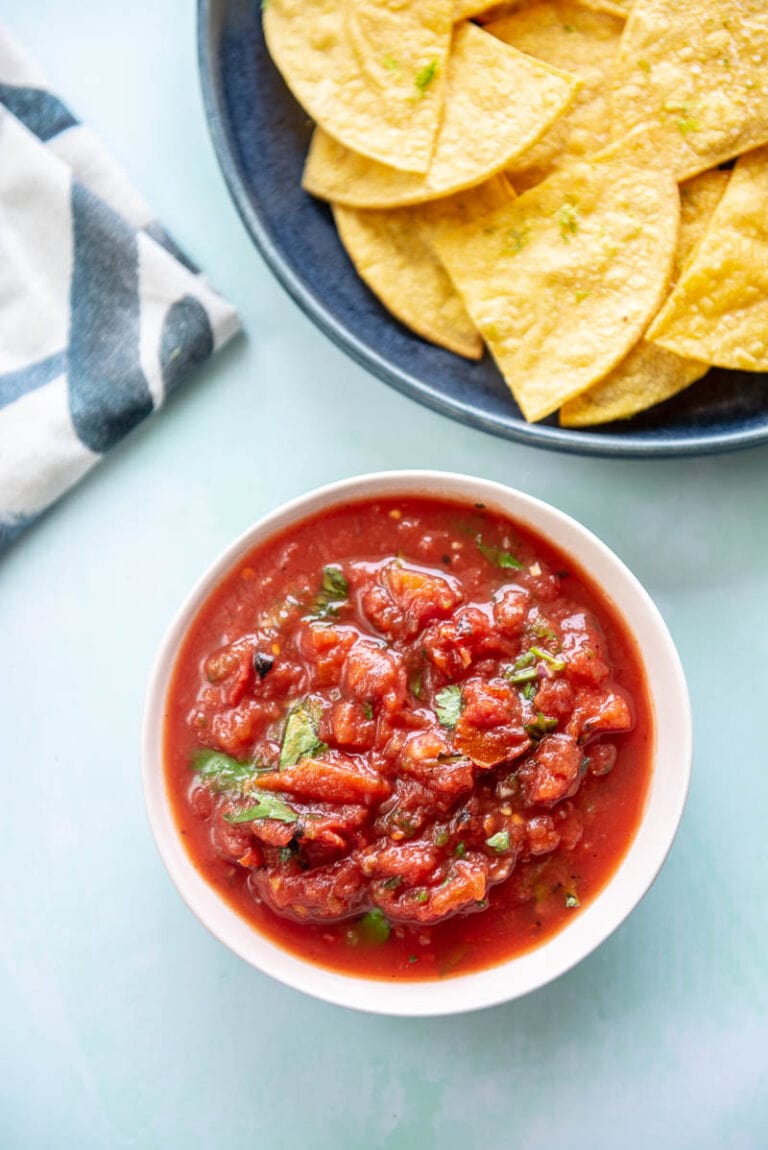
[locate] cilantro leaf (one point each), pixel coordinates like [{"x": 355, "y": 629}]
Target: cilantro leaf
[
  {"x": 497, "y": 555},
  {"x": 300, "y": 734},
  {"x": 265, "y": 807},
  {"x": 449, "y": 704},
  {"x": 334, "y": 590},
  {"x": 221, "y": 772}
]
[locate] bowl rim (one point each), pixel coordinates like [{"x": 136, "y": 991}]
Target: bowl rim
[
  {"x": 672, "y": 759},
  {"x": 553, "y": 438}
]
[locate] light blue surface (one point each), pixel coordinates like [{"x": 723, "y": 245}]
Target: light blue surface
[{"x": 122, "y": 1023}]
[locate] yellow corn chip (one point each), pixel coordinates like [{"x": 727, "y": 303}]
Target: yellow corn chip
[
  {"x": 562, "y": 282},
  {"x": 371, "y": 72},
  {"x": 690, "y": 85},
  {"x": 719, "y": 309},
  {"x": 651, "y": 374},
  {"x": 483, "y": 129},
  {"x": 399, "y": 266},
  {"x": 584, "y": 43},
  {"x": 621, "y": 8}
]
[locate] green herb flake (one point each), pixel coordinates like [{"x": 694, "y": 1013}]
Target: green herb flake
[
  {"x": 266, "y": 807},
  {"x": 334, "y": 590},
  {"x": 425, "y": 76},
  {"x": 530, "y": 690},
  {"x": 497, "y": 555},
  {"x": 393, "y": 883},
  {"x": 548, "y": 657},
  {"x": 449, "y": 704},
  {"x": 460, "y": 850},
  {"x": 571, "y": 900},
  {"x": 300, "y": 734},
  {"x": 515, "y": 240},
  {"x": 541, "y": 726},
  {"x": 370, "y": 930},
  {"x": 568, "y": 220},
  {"x": 422, "y": 896},
  {"x": 542, "y": 631},
  {"x": 499, "y": 842},
  {"x": 223, "y": 773},
  {"x": 525, "y": 675},
  {"x": 368, "y": 710},
  {"x": 413, "y": 958},
  {"x": 440, "y": 837}
]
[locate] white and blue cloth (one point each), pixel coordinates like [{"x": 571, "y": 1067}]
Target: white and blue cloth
[{"x": 101, "y": 315}]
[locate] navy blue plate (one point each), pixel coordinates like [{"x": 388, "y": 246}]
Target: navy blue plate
[{"x": 261, "y": 137}]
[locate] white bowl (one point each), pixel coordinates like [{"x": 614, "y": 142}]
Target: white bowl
[{"x": 661, "y": 816}]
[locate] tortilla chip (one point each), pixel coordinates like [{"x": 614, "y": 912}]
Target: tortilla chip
[
  {"x": 719, "y": 308},
  {"x": 584, "y": 43},
  {"x": 466, "y": 9},
  {"x": 647, "y": 376},
  {"x": 399, "y": 266},
  {"x": 483, "y": 129},
  {"x": 690, "y": 82},
  {"x": 562, "y": 282},
  {"x": 651, "y": 374},
  {"x": 370, "y": 73},
  {"x": 620, "y": 8}
]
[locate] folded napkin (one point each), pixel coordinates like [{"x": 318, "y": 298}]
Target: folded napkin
[{"x": 101, "y": 315}]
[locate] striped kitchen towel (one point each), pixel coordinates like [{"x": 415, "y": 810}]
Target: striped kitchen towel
[{"x": 101, "y": 315}]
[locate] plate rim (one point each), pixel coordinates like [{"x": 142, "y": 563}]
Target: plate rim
[{"x": 575, "y": 442}]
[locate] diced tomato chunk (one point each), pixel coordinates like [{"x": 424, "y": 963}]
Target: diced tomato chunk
[
  {"x": 551, "y": 773},
  {"x": 235, "y": 731},
  {"x": 335, "y": 781},
  {"x": 467, "y": 885},
  {"x": 511, "y": 610},
  {"x": 542, "y": 836},
  {"x": 490, "y": 729},
  {"x": 421, "y": 596},
  {"x": 382, "y": 611},
  {"x": 229, "y": 840},
  {"x": 600, "y": 711},
  {"x": 329, "y": 647},
  {"x": 602, "y": 758},
  {"x": 413, "y": 862},
  {"x": 373, "y": 673},
  {"x": 351, "y": 726},
  {"x": 324, "y": 893}
]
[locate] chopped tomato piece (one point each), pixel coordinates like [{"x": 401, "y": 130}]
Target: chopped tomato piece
[
  {"x": 552, "y": 771},
  {"x": 335, "y": 781}
]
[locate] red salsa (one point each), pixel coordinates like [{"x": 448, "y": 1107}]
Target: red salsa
[{"x": 407, "y": 739}]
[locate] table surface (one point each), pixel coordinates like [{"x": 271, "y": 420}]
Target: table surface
[{"x": 124, "y": 1024}]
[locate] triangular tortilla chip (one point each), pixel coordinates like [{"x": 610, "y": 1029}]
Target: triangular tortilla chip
[
  {"x": 719, "y": 309},
  {"x": 483, "y": 130},
  {"x": 584, "y": 43},
  {"x": 651, "y": 374},
  {"x": 400, "y": 267},
  {"x": 371, "y": 73},
  {"x": 690, "y": 82},
  {"x": 562, "y": 282}
]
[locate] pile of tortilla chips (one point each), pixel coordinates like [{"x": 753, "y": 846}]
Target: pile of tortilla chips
[{"x": 545, "y": 178}]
